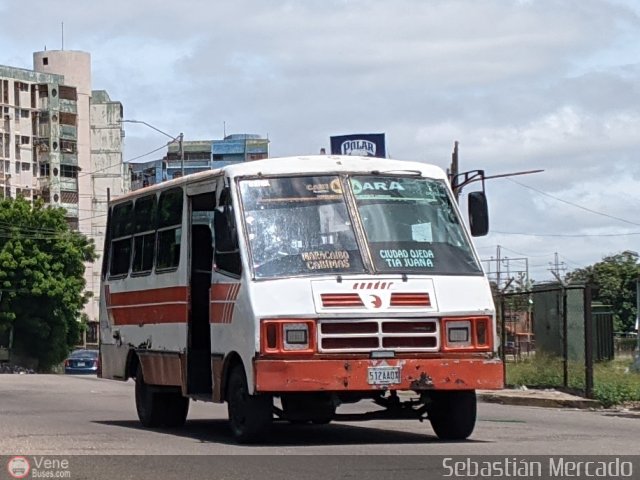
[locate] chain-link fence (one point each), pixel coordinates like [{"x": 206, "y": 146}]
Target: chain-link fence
[{"x": 551, "y": 336}]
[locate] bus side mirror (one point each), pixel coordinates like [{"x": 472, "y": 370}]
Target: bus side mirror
[{"x": 478, "y": 214}]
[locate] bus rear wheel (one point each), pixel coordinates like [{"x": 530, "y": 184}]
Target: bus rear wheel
[
  {"x": 250, "y": 416},
  {"x": 452, "y": 413},
  {"x": 157, "y": 408}
]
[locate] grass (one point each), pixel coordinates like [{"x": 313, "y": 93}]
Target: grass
[{"x": 613, "y": 383}]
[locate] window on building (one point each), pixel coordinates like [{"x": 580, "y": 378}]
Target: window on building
[
  {"x": 68, "y": 196},
  {"x": 169, "y": 229},
  {"x": 68, "y": 146},
  {"x": 68, "y": 171},
  {"x": 24, "y": 140},
  {"x": 68, "y": 119},
  {"x": 24, "y": 113},
  {"x": 45, "y": 170},
  {"x": 26, "y": 166},
  {"x": 68, "y": 93}
]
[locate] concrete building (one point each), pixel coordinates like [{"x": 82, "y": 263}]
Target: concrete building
[
  {"x": 237, "y": 148},
  {"x": 62, "y": 142},
  {"x": 145, "y": 174},
  {"x": 197, "y": 156}
]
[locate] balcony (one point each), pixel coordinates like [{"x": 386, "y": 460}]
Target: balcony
[
  {"x": 68, "y": 106},
  {"x": 69, "y": 159},
  {"x": 69, "y": 184},
  {"x": 68, "y": 132},
  {"x": 71, "y": 208},
  {"x": 189, "y": 164},
  {"x": 44, "y": 183}
]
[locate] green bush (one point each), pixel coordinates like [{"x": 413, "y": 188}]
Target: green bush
[{"x": 613, "y": 383}]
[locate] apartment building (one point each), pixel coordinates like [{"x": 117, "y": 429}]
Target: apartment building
[
  {"x": 62, "y": 142},
  {"x": 198, "y": 155}
]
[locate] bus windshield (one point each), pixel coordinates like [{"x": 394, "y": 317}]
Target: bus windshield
[
  {"x": 411, "y": 226},
  {"x": 299, "y": 226}
]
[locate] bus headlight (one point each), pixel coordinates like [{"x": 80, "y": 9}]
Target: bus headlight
[
  {"x": 459, "y": 333},
  {"x": 287, "y": 336},
  {"x": 296, "y": 336},
  {"x": 467, "y": 333}
]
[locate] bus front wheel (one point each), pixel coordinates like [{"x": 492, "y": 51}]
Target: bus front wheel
[
  {"x": 250, "y": 416},
  {"x": 452, "y": 413}
]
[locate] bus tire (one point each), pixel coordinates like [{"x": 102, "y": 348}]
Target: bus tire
[
  {"x": 156, "y": 408},
  {"x": 250, "y": 416},
  {"x": 176, "y": 408},
  {"x": 452, "y": 413}
]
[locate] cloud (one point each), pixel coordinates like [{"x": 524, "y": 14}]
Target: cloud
[{"x": 521, "y": 84}]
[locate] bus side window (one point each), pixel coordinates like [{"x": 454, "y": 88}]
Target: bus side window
[
  {"x": 227, "y": 251},
  {"x": 144, "y": 238},
  {"x": 121, "y": 236},
  {"x": 169, "y": 229}
]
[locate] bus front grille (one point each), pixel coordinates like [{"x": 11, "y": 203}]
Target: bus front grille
[{"x": 365, "y": 335}]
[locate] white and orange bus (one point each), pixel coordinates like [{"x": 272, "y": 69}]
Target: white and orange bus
[{"x": 289, "y": 286}]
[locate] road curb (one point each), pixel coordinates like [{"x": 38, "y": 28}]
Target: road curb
[{"x": 546, "y": 401}]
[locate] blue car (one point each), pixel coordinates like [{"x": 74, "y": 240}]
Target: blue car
[{"x": 82, "y": 362}]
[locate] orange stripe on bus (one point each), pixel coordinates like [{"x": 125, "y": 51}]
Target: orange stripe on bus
[
  {"x": 152, "y": 295},
  {"x": 155, "y": 305},
  {"x": 149, "y": 314},
  {"x": 222, "y": 301}
]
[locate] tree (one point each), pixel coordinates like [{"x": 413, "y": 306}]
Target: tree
[
  {"x": 614, "y": 279},
  {"x": 41, "y": 277}
]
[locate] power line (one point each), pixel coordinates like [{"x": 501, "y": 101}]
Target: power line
[
  {"x": 526, "y": 254},
  {"x": 568, "y": 235},
  {"x": 573, "y": 204}
]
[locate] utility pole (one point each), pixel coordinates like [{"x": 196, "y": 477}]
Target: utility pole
[
  {"x": 498, "y": 262},
  {"x": 557, "y": 268},
  {"x": 453, "y": 171},
  {"x": 180, "y": 143}
]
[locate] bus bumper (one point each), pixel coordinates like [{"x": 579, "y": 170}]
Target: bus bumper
[{"x": 365, "y": 375}]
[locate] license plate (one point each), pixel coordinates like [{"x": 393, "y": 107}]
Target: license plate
[
  {"x": 384, "y": 375},
  {"x": 80, "y": 364}
]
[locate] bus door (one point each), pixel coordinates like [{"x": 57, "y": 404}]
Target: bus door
[{"x": 202, "y": 201}]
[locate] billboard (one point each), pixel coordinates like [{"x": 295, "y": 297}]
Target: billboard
[{"x": 365, "y": 144}]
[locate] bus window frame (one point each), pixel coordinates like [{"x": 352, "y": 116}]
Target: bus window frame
[
  {"x": 358, "y": 230},
  {"x": 113, "y": 239},
  {"x": 229, "y": 209},
  {"x": 136, "y": 234},
  {"x": 164, "y": 228}
]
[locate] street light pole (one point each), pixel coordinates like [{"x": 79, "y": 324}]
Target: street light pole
[{"x": 179, "y": 139}]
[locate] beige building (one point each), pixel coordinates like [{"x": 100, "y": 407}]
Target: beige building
[{"x": 62, "y": 142}]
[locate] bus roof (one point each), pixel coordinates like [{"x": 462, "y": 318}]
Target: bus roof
[{"x": 311, "y": 164}]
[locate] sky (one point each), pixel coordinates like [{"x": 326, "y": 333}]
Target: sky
[{"x": 522, "y": 85}]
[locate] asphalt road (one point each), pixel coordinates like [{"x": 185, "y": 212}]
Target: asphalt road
[{"x": 77, "y": 415}]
